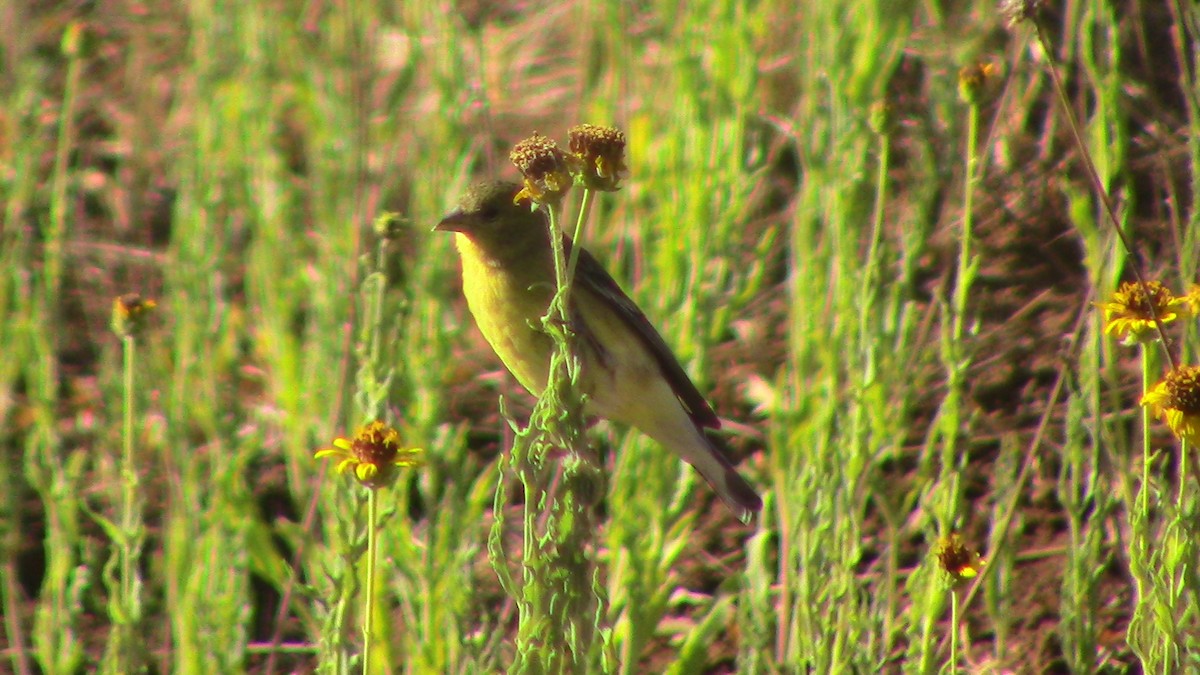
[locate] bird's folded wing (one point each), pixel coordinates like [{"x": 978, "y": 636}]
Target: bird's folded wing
[{"x": 592, "y": 276}]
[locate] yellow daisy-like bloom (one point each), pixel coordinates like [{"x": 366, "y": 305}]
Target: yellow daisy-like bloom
[
  {"x": 547, "y": 169},
  {"x": 601, "y": 150},
  {"x": 374, "y": 453},
  {"x": 1192, "y": 299},
  {"x": 129, "y": 314},
  {"x": 957, "y": 560},
  {"x": 1127, "y": 316},
  {"x": 1176, "y": 399}
]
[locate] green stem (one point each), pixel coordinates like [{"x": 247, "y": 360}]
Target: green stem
[
  {"x": 126, "y": 606},
  {"x": 585, "y": 208},
  {"x": 376, "y": 319},
  {"x": 1183, "y": 466},
  {"x": 561, "y": 296},
  {"x": 932, "y": 609},
  {"x": 956, "y": 356},
  {"x": 1139, "y": 518},
  {"x": 881, "y": 185},
  {"x": 1144, "y": 496},
  {"x": 962, "y": 287},
  {"x": 66, "y": 140},
  {"x": 369, "y": 604},
  {"x": 953, "y": 631},
  {"x": 129, "y": 475},
  {"x": 564, "y": 270},
  {"x": 557, "y": 611},
  {"x": 869, "y": 291}
]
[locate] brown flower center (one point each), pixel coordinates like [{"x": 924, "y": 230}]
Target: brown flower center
[
  {"x": 375, "y": 446},
  {"x": 1139, "y": 304},
  {"x": 1184, "y": 388}
]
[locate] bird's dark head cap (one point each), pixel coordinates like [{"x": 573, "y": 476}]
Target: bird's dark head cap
[{"x": 484, "y": 206}]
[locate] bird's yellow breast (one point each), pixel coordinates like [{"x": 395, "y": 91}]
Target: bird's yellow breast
[
  {"x": 507, "y": 305},
  {"x": 620, "y": 377}
]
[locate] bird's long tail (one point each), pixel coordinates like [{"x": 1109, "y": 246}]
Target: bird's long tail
[{"x": 703, "y": 454}]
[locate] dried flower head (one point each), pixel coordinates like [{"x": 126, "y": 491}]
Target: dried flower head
[
  {"x": 1128, "y": 315},
  {"x": 374, "y": 453},
  {"x": 601, "y": 150},
  {"x": 1016, "y": 11},
  {"x": 547, "y": 169},
  {"x": 956, "y": 559},
  {"x": 129, "y": 314},
  {"x": 1176, "y": 399},
  {"x": 975, "y": 80},
  {"x": 388, "y": 225}
]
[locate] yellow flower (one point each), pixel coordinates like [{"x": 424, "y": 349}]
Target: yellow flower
[
  {"x": 1176, "y": 399},
  {"x": 129, "y": 314},
  {"x": 547, "y": 169},
  {"x": 374, "y": 454},
  {"x": 1127, "y": 316},
  {"x": 601, "y": 150},
  {"x": 957, "y": 560},
  {"x": 1193, "y": 300}
]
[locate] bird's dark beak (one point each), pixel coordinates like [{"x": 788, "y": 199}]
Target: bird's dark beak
[{"x": 455, "y": 221}]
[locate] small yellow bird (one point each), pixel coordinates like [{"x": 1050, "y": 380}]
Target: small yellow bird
[{"x": 627, "y": 372}]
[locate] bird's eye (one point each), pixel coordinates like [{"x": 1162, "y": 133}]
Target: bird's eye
[{"x": 489, "y": 212}]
